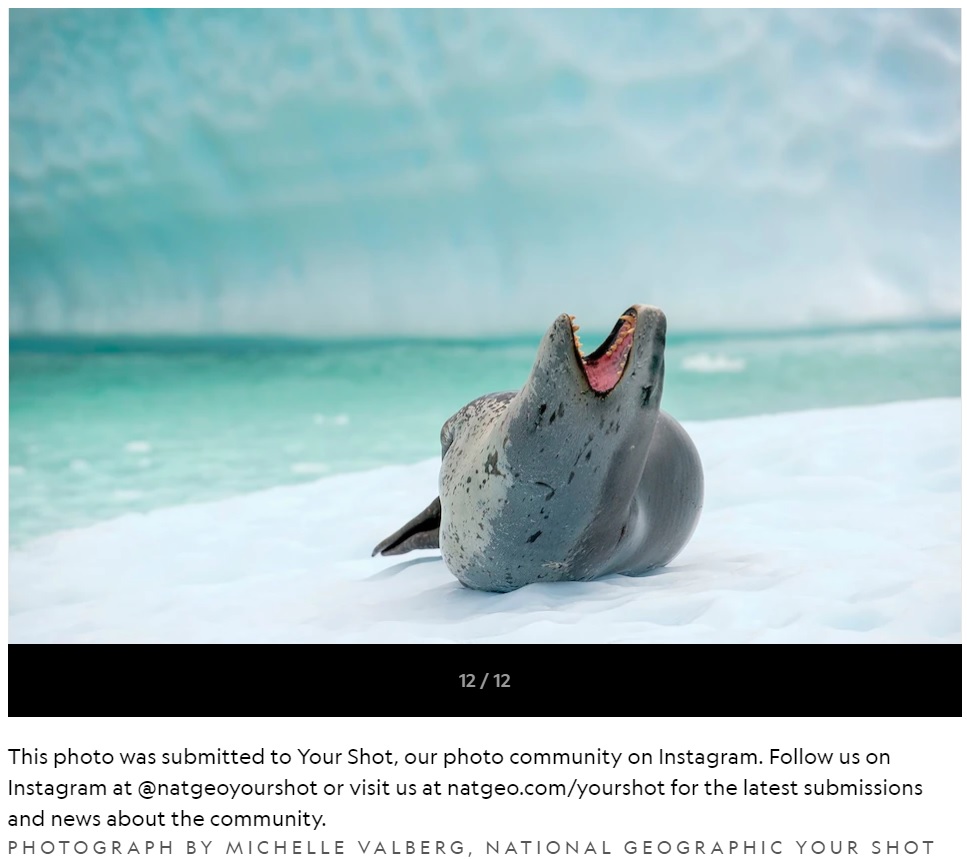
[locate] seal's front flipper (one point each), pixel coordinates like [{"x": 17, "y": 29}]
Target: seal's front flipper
[{"x": 421, "y": 532}]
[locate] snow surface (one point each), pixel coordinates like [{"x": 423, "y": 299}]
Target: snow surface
[{"x": 835, "y": 525}]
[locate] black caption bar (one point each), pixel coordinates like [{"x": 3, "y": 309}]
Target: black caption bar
[{"x": 484, "y": 680}]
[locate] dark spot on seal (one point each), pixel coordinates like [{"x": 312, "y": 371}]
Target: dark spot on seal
[
  {"x": 560, "y": 410},
  {"x": 543, "y": 408},
  {"x": 587, "y": 456},
  {"x": 571, "y": 477},
  {"x": 491, "y": 466},
  {"x": 623, "y": 529},
  {"x": 655, "y": 364},
  {"x": 534, "y": 536},
  {"x": 550, "y": 494},
  {"x": 645, "y": 396},
  {"x": 553, "y": 417},
  {"x": 469, "y": 479}
]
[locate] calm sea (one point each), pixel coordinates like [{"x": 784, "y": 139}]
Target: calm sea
[{"x": 101, "y": 428}]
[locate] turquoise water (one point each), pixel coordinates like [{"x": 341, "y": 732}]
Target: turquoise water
[{"x": 101, "y": 428}]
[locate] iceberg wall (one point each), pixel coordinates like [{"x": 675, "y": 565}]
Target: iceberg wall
[{"x": 474, "y": 173}]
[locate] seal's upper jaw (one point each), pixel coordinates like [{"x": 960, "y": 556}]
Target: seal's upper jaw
[{"x": 605, "y": 366}]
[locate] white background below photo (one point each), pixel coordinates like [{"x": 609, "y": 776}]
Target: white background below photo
[
  {"x": 925, "y": 820},
  {"x": 839, "y": 525}
]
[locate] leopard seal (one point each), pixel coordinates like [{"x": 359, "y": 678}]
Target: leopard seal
[{"x": 577, "y": 475}]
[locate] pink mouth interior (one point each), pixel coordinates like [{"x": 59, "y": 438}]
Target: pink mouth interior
[{"x": 605, "y": 366}]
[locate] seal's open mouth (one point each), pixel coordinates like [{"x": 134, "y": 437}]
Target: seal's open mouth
[{"x": 604, "y": 366}]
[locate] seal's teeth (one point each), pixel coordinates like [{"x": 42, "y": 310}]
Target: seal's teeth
[
  {"x": 575, "y": 327},
  {"x": 627, "y": 318}
]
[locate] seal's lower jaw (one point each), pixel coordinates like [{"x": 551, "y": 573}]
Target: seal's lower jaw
[{"x": 604, "y": 367}]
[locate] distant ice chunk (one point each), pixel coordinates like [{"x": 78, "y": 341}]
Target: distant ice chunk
[
  {"x": 126, "y": 495},
  {"x": 705, "y": 362},
  {"x": 339, "y": 420},
  {"x": 309, "y": 468}
]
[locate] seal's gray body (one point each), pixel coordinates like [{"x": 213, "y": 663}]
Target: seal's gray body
[{"x": 559, "y": 482}]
